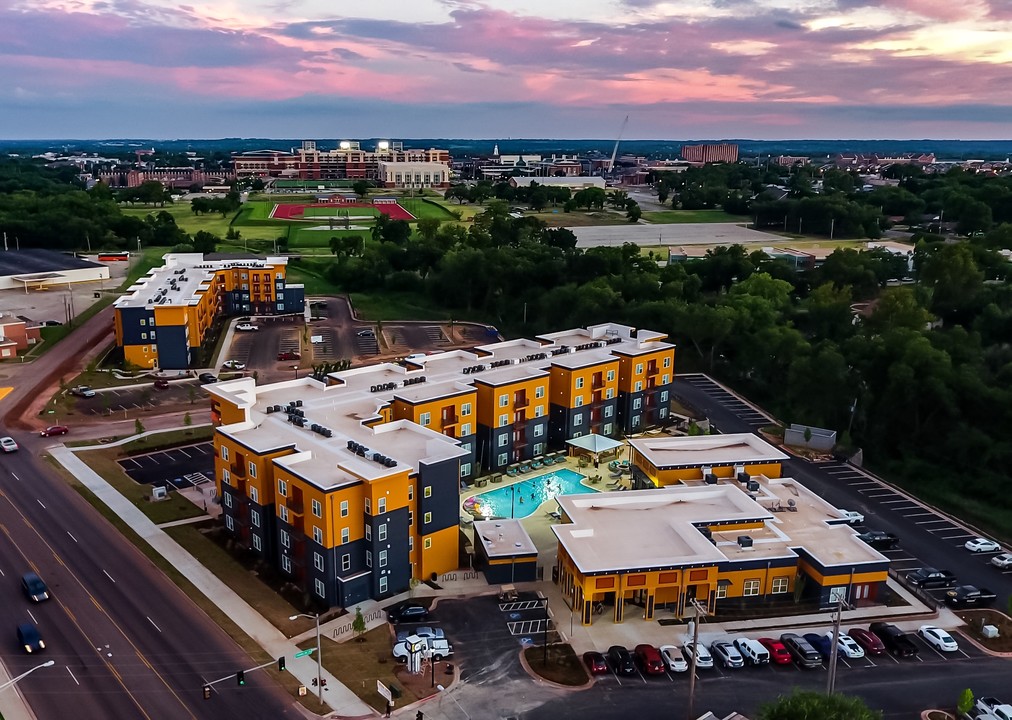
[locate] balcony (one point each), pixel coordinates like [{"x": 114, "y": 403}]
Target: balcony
[
  {"x": 238, "y": 470},
  {"x": 296, "y": 507},
  {"x": 450, "y": 420},
  {"x": 598, "y": 383},
  {"x": 520, "y": 402},
  {"x": 653, "y": 369},
  {"x": 520, "y": 441}
]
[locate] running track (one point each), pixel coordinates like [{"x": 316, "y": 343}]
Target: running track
[{"x": 294, "y": 211}]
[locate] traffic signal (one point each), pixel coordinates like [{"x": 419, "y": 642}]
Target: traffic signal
[
  {"x": 281, "y": 663},
  {"x": 240, "y": 677},
  {"x": 207, "y": 692}
]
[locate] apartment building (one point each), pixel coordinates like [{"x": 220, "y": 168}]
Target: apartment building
[
  {"x": 165, "y": 316},
  {"x": 349, "y": 484},
  {"x": 710, "y": 153}
]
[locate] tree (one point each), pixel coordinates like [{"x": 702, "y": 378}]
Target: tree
[
  {"x": 632, "y": 211},
  {"x": 187, "y": 420},
  {"x": 138, "y": 426},
  {"x": 360, "y": 188},
  {"x": 809, "y": 705},
  {"x": 204, "y": 242},
  {"x": 428, "y": 227},
  {"x": 954, "y": 278},
  {"x": 966, "y": 701},
  {"x": 358, "y": 625}
]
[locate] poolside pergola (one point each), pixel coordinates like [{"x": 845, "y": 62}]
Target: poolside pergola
[{"x": 593, "y": 445}]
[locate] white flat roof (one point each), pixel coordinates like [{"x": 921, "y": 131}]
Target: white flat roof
[
  {"x": 503, "y": 538},
  {"x": 695, "y": 451}
]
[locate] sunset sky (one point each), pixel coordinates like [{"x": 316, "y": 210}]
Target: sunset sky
[{"x": 681, "y": 69}]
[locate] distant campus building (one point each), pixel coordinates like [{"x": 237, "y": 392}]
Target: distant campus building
[
  {"x": 711, "y": 153},
  {"x": 389, "y": 165},
  {"x": 165, "y": 316}
]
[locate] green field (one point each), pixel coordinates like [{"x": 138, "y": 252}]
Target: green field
[
  {"x": 668, "y": 217},
  {"x": 338, "y": 211}
]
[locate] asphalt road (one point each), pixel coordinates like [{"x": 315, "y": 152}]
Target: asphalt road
[{"x": 126, "y": 641}]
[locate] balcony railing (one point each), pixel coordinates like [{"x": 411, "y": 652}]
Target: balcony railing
[
  {"x": 521, "y": 402},
  {"x": 238, "y": 470},
  {"x": 296, "y": 507}
]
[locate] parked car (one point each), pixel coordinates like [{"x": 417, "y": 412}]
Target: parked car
[
  {"x": 247, "y": 327},
  {"x": 289, "y": 356},
  {"x": 55, "y": 430},
  {"x": 8, "y": 445},
  {"x": 649, "y": 659},
  {"x": 207, "y": 378},
  {"x": 161, "y": 384},
  {"x": 897, "y": 642},
  {"x": 703, "y": 657},
  {"x": 439, "y": 649},
  {"x": 868, "y": 641},
  {"x": 969, "y": 596},
  {"x": 752, "y": 650},
  {"x": 1003, "y": 561},
  {"x": 994, "y": 707},
  {"x": 726, "y": 654},
  {"x": 621, "y": 660},
  {"x": 801, "y": 651},
  {"x": 938, "y": 638},
  {"x": 422, "y": 631},
  {"x": 822, "y": 644},
  {"x": 846, "y": 646},
  {"x": 778, "y": 653},
  {"x": 928, "y": 577},
  {"x": 595, "y": 663},
  {"x": 233, "y": 365},
  {"x": 852, "y": 517},
  {"x": 408, "y": 612},
  {"x": 34, "y": 587},
  {"x": 82, "y": 391},
  {"x": 880, "y": 540},
  {"x": 673, "y": 658},
  {"x": 366, "y": 333},
  {"x": 979, "y": 545},
  {"x": 30, "y": 639}
]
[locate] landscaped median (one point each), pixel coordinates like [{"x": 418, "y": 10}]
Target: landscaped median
[{"x": 558, "y": 664}]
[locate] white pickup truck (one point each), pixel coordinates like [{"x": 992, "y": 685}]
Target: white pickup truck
[
  {"x": 991, "y": 708},
  {"x": 438, "y": 647}
]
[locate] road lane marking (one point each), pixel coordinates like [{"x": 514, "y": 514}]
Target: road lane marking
[
  {"x": 32, "y": 617},
  {"x": 72, "y": 675},
  {"x": 71, "y": 536},
  {"x": 153, "y": 623},
  {"x": 40, "y": 503},
  {"x": 108, "y": 575},
  {"x": 14, "y": 475}
]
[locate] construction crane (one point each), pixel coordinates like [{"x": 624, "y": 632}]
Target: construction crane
[{"x": 614, "y": 152}]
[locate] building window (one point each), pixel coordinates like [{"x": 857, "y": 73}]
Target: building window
[
  {"x": 252, "y": 469},
  {"x": 286, "y": 540},
  {"x": 368, "y": 506},
  {"x": 667, "y": 362},
  {"x": 608, "y": 427},
  {"x": 750, "y": 588},
  {"x": 503, "y": 459},
  {"x": 257, "y": 543},
  {"x": 144, "y": 336},
  {"x": 665, "y": 379},
  {"x": 229, "y": 523},
  {"x": 504, "y": 400},
  {"x": 638, "y": 386},
  {"x": 504, "y": 440},
  {"x": 539, "y": 430},
  {"x": 286, "y": 564},
  {"x": 428, "y": 543},
  {"x": 577, "y": 420},
  {"x": 539, "y": 391},
  {"x": 664, "y": 395},
  {"x": 345, "y": 535},
  {"x": 428, "y": 518},
  {"x": 637, "y": 403},
  {"x": 503, "y": 420},
  {"x": 321, "y": 589},
  {"x": 465, "y": 409},
  {"x": 465, "y": 430},
  {"x": 368, "y": 532},
  {"x": 382, "y": 532},
  {"x": 465, "y": 469},
  {"x": 254, "y": 517},
  {"x": 226, "y": 477},
  {"x": 411, "y": 518},
  {"x": 381, "y": 505},
  {"x": 424, "y": 419},
  {"x": 228, "y": 500},
  {"x": 539, "y": 448},
  {"x": 579, "y": 383},
  {"x": 383, "y": 558},
  {"x": 779, "y": 585},
  {"x": 639, "y": 368},
  {"x": 609, "y": 393},
  {"x": 609, "y": 410},
  {"x": 284, "y": 513},
  {"x": 254, "y": 494},
  {"x": 427, "y": 491},
  {"x": 579, "y": 401},
  {"x": 539, "y": 410},
  {"x": 317, "y": 509},
  {"x": 383, "y": 584},
  {"x": 346, "y": 562},
  {"x": 344, "y": 508},
  {"x": 317, "y": 535},
  {"x": 282, "y": 488},
  {"x": 224, "y": 453},
  {"x": 143, "y": 322},
  {"x": 318, "y": 561},
  {"x": 611, "y": 375},
  {"x": 721, "y": 592},
  {"x": 368, "y": 558},
  {"x": 411, "y": 543}
]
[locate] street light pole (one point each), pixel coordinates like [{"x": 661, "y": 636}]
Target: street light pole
[
  {"x": 834, "y": 651},
  {"x": 12, "y": 681},
  {"x": 319, "y": 652},
  {"x": 443, "y": 689},
  {"x": 695, "y": 652}
]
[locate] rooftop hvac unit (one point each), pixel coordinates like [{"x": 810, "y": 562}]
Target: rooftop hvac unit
[
  {"x": 360, "y": 451},
  {"x": 377, "y": 456},
  {"x": 744, "y": 542},
  {"x": 270, "y": 409},
  {"x": 753, "y": 486},
  {"x": 298, "y": 403},
  {"x": 390, "y": 462},
  {"x": 743, "y": 477},
  {"x": 328, "y": 432},
  {"x": 710, "y": 479},
  {"x": 352, "y": 444}
]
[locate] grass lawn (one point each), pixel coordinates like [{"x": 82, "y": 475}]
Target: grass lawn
[
  {"x": 580, "y": 218},
  {"x": 185, "y": 218},
  {"x": 563, "y": 666},
  {"x": 668, "y": 217},
  {"x": 395, "y": 306},
  {"x": 360, "y": 664},
  {"x": 310, "y": 274},
  {"x": 427, "y": 209}
]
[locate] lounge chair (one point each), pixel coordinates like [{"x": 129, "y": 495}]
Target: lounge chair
[
  {"x": 525, "y": 468},
  {"x": 536, "y": 463},
  {"x": 560, "y": 457},
  {"x": 555, "y": 515},
  {"x": 497, "y": 478},
  {"x": 512, "y": 471},
  {"x": 615, "y": 475}
]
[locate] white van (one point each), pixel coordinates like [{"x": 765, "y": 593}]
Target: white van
[{"x": 753, "y": 652}]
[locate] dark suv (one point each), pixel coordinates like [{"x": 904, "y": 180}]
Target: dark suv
[
  {"x": 407, "y": 613},
  {"x": 801, "y": 650},
  {"x": 897, "y": 642},
  {"x": 34, "y": 587},
  {"x": 621, "y": 660}
]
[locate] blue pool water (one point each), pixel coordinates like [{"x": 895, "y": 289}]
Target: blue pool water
[{"x": 522, "y": 498}]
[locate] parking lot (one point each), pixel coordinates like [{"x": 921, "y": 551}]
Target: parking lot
[
  {"x": 258, "y": 350},
  {"x": 138, "y": 397},
  {"x": 747, "y": 413},
  {"x": 179, "y": 468}
]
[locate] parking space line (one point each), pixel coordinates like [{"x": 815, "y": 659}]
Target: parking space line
[
  {"x": 184, "y": 452},
  {"x": 906, "y": 500},
  {"x": 932, "y": 522},
  {"x": 917, "y": 514}
]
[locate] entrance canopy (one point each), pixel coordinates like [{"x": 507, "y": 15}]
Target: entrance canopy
[{"x": 594, "y": 444}]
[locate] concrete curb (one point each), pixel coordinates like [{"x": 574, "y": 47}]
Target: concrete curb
[{"x": 545, "y": 681}]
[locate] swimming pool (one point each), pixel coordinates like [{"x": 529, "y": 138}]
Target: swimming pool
[{"x": 522, "y": 498}]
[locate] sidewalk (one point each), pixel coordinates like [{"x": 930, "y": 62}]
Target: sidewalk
[
  {"x": 341, "y": 700},
  {"x": 12, "y": 704}
]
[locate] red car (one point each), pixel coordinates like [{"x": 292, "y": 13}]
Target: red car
[
  {"x": 868, "y": 640},
  {"x": 55, "y": 430},
  {"x": 289, "y": 356},
  {"x": 778, "y": 653},
  {"x": 649, "y": 659},
  {"x": 161, "y": 384},
  {"x": 595, "y": 663}
]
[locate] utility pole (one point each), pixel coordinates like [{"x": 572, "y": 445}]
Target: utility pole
[
  {"x": 834, "y": 651},
  {"x": 695, "y": 650}
]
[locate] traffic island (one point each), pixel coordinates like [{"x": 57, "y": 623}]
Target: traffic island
[
  {"x": 976, "y": 623},
  {"x": 559, "y": 665}
]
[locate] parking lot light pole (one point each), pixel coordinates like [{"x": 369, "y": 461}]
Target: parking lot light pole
[
  {"x": 695, "y": 652},
  {"x": 443, "y": 689},
  {"x": 834, "y": 651},
  {"x": 319, "y": 652}
]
